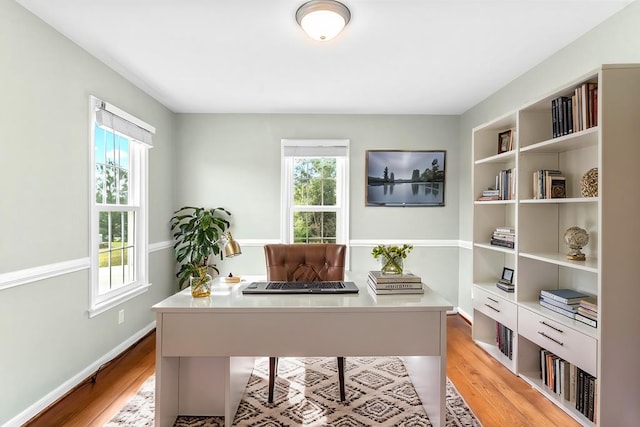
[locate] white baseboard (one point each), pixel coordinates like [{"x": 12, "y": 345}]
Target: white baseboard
[
  {"x": 466, "y": 315},
  {"x": 72, "y": 382}
]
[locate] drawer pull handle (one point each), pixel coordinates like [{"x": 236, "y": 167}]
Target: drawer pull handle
[
  {"x": 552, "y": 327},
  {"x": 494, "y": 300},
  {"x": 552, "y": 339},
  {"x": 493, "y": 308}
]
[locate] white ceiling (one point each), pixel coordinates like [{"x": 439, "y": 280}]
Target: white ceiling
[{"x": 250, "y": 56}]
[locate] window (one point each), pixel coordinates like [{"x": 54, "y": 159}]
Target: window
[
  {"x": 315, "y": 184},
  {"x": 120, "y": 144}
]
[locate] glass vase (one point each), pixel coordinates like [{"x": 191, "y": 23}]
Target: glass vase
[
  {"x": 201, "y": 284},
  {"x": 391, "y": 265}
]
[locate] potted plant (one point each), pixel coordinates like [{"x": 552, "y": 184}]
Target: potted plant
[
  {"x": 391, "y": 257},
  {"x": 196, "y": 232}
]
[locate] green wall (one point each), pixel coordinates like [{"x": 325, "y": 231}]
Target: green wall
[
  {"x": 233, "y": 160},
  {"x": 46, "y": 336}
]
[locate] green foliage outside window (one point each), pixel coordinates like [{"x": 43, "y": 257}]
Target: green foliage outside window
[{"x": 314, "y": 185}]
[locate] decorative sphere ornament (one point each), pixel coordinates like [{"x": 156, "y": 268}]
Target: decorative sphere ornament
[{"x": 576, "y": 238}]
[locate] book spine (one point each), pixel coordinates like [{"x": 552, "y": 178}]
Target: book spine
[
  {"x": 573, "y": 308},
  {"x": 557, "y": 309},
  {"x": 506, "y": 288},
  {"x": 502, "y": 243},
  {"x": 413, "y": 285},
  {"x": 379, "y": 291},
  {"x": 395, "y": 279},
  {"x": 583, "y": 319},
  {"x": 558, "y": 298}
]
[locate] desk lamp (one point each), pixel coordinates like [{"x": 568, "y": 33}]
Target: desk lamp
[{"x": 231, "y": 248}]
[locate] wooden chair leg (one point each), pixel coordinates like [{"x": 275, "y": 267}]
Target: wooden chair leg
[
  {"x": 273, "y": 371},
  {"x": 341, "y": 378}
]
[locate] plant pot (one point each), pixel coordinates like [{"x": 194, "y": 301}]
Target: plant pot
[
  {"x": 390, "y": 265},
  {"x": 201, "y": 284}
]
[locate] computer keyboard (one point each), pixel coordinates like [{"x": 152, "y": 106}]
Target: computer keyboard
[{"x": 290, "y": 286}]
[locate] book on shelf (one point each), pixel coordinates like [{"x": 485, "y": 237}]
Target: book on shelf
[
  {"x": 587, "y": 313},
  {"x": 557, "y": 187},
  {"x": 506, "y": 229},
  {"x": 505, "y": 287},
  {"x": 557, "y": 309},
  {"x": 488, "y": 198},
  {"x": 586, "y": 320},
  {"x": 405, "y": 277},
  {"x": 566, "y": 296},
  {"x": 490, "y": 192},
  {"x": 502, "y": 243},
  {"x": 572, "y": 307},
  {"x": 403, "y": 291},
  {"x": 589, "y": 304}
]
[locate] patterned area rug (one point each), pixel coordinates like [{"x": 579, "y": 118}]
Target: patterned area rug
[{"x": 379, "y": 393}]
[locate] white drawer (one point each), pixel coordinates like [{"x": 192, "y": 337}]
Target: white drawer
[
  {"x": 569, "y": 344},
  {"x": 495, "y": 307}
]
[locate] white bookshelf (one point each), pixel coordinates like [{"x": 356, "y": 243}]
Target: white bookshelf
[{"x": 610, "y": 351}]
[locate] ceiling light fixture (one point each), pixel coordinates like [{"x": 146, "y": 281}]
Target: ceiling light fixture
[{"x": 323, "y": 19}]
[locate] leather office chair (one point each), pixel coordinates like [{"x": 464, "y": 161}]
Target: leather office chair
[{"x": 304, "y": 263}]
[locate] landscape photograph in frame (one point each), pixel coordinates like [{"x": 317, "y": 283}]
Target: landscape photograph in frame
[{"x": 405, "y": 178}]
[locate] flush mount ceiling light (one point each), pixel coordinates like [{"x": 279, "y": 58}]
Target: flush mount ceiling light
[{"x": 323, "y": 19}]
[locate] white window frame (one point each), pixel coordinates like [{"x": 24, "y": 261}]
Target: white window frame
[
  {"x": 338, "y": 148},
  {"x": 139, "y": 134}
]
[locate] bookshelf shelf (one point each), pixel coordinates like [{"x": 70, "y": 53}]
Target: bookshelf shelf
[
  {"x": 573, "y": 141},
  {"x": 590, "y": 264},
  {"x": 607, "y": 141},
  {"x": 494, "y": 202},
  {"x": 566, "y": 200},
  {"x": 498, "y": 158},
  {"x": 494, "y": 248}
]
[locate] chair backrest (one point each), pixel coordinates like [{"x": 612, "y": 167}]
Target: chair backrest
[{"x": 301, "y": 262}]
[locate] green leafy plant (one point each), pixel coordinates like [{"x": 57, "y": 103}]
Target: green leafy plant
[
  {"x": 391, "y": 251},
  {"x": 391, "y": 257},
  {"x": 196, "y": 231}
]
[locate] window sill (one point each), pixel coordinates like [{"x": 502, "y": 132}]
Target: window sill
[{"x": 117, "y": 300}]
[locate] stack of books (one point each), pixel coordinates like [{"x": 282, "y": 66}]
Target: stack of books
[
  {"x": 588, "y": 312},
  {"x": 504, "y": 236},
  {"x": 406, "y": 283},
  {"x": 490, "y": 194},
  {"x": 563, "y": 301}
]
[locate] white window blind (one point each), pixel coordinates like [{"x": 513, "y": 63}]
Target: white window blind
[
  {"x": 115, "y": 122},
  {"x": 315, "y": 148}
]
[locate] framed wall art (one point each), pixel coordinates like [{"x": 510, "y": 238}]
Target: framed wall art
[{"x": 405, "y": 178}]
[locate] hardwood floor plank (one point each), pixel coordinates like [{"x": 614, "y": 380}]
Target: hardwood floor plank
[{"x": 497, "y": 397}]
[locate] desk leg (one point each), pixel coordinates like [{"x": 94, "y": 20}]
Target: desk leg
[
  {"x": 429, "y": 381},
  {"x": 238, "y": 374},
  {"x": 167, "y": 379},
  {"x": 429, "y": 377}
]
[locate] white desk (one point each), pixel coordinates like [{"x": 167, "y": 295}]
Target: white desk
[{"x": 205, "y": 347}]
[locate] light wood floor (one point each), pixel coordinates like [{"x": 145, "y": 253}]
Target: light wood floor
[{"x": 495, "y": 395}]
